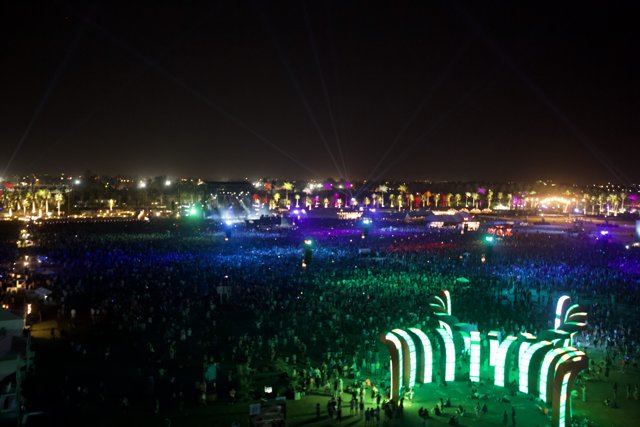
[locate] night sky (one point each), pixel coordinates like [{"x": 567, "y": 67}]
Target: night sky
[{"x": 444, "y": 90}]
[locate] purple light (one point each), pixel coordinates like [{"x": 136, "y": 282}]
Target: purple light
[
  {"x": 604, "y": 232},
  {"x": 348, "y": 185},
  {"x": 328, "y": 185}
]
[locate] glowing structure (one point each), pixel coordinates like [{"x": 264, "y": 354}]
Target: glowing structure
[
  {"x": 474, "y": 367},
  {"x": 424, "y": 375},
  {"x": 449, "y": 354},
  {"x": 565, "y": 375},
  {"x": 397, "y": 366},
  {"x": 524, "y": 365},
  {"x": 547, "y": 365},
  {"x": 563, "y": 302},
  {"x": 501, "y": 359},
  {"x": 493, "y": 346},
  {"x": 410, "y": 362},
  {"x": 563, "y": 399}
]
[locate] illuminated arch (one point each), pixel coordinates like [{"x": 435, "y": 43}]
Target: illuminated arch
[
  {"x": 525, "y": 381},
  {"x": 566, "y": 372},
  {"x": 396, "y": 363},
  {"x": 547, "y": 370},
  {"x": 493, "y": 346},
  {"x": 502, "y": 359},
  {"x": 409, "y": 357},
  {"x": 561, "y": 307},
  {"x": 447, "y": 354},
  {"x": 474, "y": 360},
  {"x": 424, "y": 374}
]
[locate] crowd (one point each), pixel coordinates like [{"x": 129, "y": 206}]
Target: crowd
[{"x": 161, "y": 319}]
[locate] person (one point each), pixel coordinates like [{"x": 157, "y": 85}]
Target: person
[
  {"x": 317, "y": 410},
  {"x": 513, "y": 416},
  {"x": 423, "y": 414},
  {"x": 505, "y": 418},
  {"x": 485, "y": 409},
  {"x": 584, "y": 391}
]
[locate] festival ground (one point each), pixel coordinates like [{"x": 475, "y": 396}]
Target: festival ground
[
  {"x": 303, "y": 412},
  {"x": 223, "y": 413}
]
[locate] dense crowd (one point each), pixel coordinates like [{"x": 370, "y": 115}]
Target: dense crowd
[{"x": 174, "y": 316}]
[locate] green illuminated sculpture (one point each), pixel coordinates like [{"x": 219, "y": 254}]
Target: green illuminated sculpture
[{"x": 547, "y": 364}]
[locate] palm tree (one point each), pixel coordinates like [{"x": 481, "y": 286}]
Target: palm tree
[
  {"x": 436, "y": 198},
  {"x": 458, "y": 199},
  {"x": 466, "y": 198},
  {"x": 58, "y": 198},
  {"x": 613, "y": 197},
  {"x": 42, "y": 197},
  {"x": 382, "y": 189},
  {"x": 392, "y": 197},
  {"x": 489, "y": 198},
  {"x": 276, "y": 199},
  {"x": 401, "y": 189},
  {"x": 26, "y": 202},
  {"x": 297, "y": 197},
  {"x": 474, "y": 198},
  {"x": 411, "y": 200},
  {"x": 509, "y": 199},
  {"x": 287, "y": 186}
]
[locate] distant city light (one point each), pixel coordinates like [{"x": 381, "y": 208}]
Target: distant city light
[
  {"x": 167, "y": 183},
  {"x": 604, "y": 232},
  {"x": 77, "y": 181},
  {"x": 142, "y": 184}
]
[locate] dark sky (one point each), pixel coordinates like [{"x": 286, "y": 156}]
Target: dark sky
[{"x": 445, "y": 90}]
